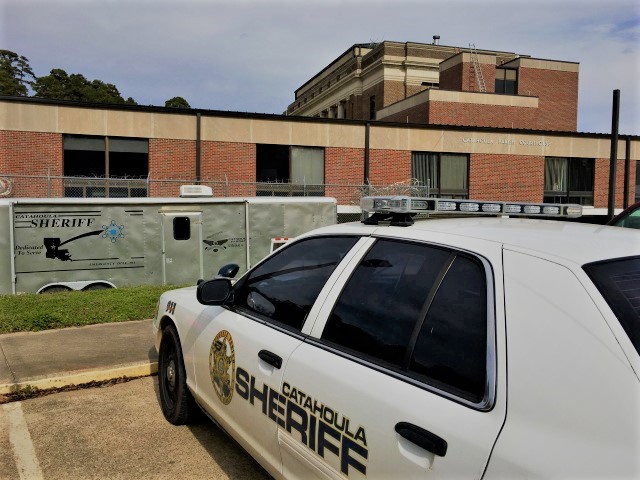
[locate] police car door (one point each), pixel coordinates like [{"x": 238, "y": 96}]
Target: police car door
[
  {"x": 241, "y": 353},
  {"x": 401, "y": 380}
]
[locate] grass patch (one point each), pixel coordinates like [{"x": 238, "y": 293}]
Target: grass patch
[{"x": 31, "y": 312}]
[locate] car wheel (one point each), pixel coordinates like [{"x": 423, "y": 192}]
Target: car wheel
[{"x": 176, "y": 401}]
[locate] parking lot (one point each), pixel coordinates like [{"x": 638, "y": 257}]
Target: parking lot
[{"x": 113, "y": 432}]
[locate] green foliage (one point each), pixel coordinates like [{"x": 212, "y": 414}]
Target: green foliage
[
  {"x": 75, "y": 87},
  {"x": 177, "y": 102},
  {"x": 15, "y": 74},
  {"x": 33, "y": 312}
]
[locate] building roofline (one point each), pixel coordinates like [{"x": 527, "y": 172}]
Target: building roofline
[
  {"x": 295, "y": 118},
  {"x": 336, "y": 60}
]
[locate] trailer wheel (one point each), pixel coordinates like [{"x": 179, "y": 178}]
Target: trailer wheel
[
  {"x": 178, "y": 406},
  {"x": 97, "y": 286},
  {"x": 56, "y": 289}
]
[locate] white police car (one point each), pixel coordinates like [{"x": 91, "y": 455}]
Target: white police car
[{"x": 448, "y": 348}]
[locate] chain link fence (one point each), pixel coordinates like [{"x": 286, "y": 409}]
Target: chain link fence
[{"x": 12, "y": 185}]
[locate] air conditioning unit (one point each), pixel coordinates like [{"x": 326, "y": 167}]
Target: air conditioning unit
[{"x": 190, "y": 191}]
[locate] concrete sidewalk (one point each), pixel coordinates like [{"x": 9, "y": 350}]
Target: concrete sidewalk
[{"x": 73, "y": 356}]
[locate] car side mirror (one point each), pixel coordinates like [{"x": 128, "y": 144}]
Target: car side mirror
[
  {"x": 214, "y": 292},
  {"x": 229, "y": 270}
]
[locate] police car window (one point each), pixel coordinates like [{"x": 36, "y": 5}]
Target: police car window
[
  {"x": 619, "y": 284},
  {"x": 378, "y": 309},
  {"x": 451, "y": 348},
  {"x": 285, "y": 286}
]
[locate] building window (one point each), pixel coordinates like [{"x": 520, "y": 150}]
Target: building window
[
  {"x": 105, "y": 166},
  {"x": 506, "y": 81},
  {"x": 286, "y": 170},
  {"x": 446, "y": 174},
  {"x": 372, "y": 107},
  {"x": 568, "y": 180}
]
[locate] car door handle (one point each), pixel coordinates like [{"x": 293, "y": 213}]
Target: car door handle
[
  {"x": 270, "y": 358},
  {"x": 423, "y": 438}
]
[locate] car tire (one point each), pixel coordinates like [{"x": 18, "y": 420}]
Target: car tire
[{"x": 176, "y": 401}]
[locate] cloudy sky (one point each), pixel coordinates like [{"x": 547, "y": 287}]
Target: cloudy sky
[{"x": 251, "y": 55}]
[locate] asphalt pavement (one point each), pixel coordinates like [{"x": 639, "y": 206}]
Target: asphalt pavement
[{"x": 76, "y": 356}]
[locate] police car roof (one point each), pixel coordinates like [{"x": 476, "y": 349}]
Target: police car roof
[{"x": 577, "y": 242}]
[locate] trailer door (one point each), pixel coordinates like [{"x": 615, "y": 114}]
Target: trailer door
[{"x": 181, "y": 247}]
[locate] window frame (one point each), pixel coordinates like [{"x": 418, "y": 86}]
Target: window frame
[
  {"x": 505, "y": 81},
  {"x": 565, "y": 196},
  {"x": 436, "y": 190},
  {"x": 488, "y": 401}
]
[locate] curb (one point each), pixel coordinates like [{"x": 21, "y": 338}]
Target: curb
[{"x": 144, "y": 369}]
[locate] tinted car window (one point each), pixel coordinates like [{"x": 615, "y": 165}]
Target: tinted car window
[
  {"x": 380, "y": 305},
  {"x": 417, "y": 309},
  {"x": 451, "y": 349},
  {"x": 285, "y": 286},
  {"x": 619, "y": 284}
]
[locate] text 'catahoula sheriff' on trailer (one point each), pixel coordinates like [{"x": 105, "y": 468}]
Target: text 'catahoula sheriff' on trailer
[{"x": 80, "y": 244}]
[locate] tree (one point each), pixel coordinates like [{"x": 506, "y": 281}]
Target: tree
[
  {"x": 15, "y": 74},
  {"x": 61, "y": 86},
  {"x": 177, "y": 102}
]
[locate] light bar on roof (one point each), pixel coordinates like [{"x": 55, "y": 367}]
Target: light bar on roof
[{"x": 413, "y": 205}]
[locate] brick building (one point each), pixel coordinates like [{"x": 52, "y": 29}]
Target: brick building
[
  {"x": 465, "y": 123},
  {"x": 54, "y": 148},
  {"x": 443, "y": 85}
]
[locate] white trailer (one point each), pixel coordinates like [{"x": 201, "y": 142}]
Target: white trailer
[{"x": 62, "y": 244}]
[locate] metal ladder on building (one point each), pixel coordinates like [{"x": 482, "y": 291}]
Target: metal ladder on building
[{"x": 476, "y": 68}]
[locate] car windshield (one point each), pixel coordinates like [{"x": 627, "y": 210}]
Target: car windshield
[{"x": 619, "y": 282}]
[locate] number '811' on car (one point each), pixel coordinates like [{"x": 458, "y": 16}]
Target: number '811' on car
[{"x": 405, "y": 348}]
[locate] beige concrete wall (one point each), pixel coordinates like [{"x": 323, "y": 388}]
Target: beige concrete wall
[
  {"x": 87, "y": 121},
  {"x": 31, "y": 117},
  {"x": 442, "y": 140}
]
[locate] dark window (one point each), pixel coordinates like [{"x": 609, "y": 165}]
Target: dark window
[
  {"x": 181, "y": 228},
  {"x": 446, "y": 174},
  {"x": 372, "y": 107},
  {"x": 506, "y": 81},
  {"x": 420, "y": 310},
  {"x": 619, "y": 284},
  {"x": 272, "y": 163},
  {"x": 108, "y": 166},
  {"x": 283, "y": 170},
  {"x": 285, "y": 286},
  {"x": 568, "y": 180},
  {"x": 451, "y": 349},
  {"x": 378, "y": 309}
]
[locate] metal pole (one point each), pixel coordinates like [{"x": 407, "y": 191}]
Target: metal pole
[
  {"x": 614, "y": 153},
  {"x": 366, "y": 153},
  {"x": 627, "y": 172},
  {"x": 198, "y": 148}
]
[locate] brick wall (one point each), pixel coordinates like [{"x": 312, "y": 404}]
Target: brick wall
[
  {"x": 478, "y": 115},
  {"x": 558, "y": 97},
  {"x": 506, "y": 177},
  {"x": 343, "y": 166},
  {"x": 601, "y": 183},
  {"x": 233, "y": 161},
  {"x": 170, "y": 159},
  {"x": 389, "y": 166},
  {"x": 452, "y": 78},
  {"x": 393, "y": 92},
  {"x": 32, "y": 153}
]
